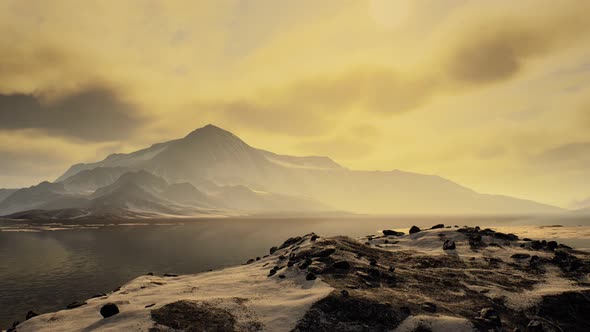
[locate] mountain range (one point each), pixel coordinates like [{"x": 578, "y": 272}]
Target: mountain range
[{"x": 213, "y": 172}]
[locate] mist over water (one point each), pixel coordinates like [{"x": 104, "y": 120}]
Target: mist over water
[{"x": 46, "y": 270}]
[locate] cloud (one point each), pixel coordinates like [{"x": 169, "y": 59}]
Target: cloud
[
  {"x": 93, "y": 114},
  {"x": 499, "y": 46},
  {"x": 573, "y": 155}
]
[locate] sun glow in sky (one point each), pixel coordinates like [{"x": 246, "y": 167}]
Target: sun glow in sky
[{"x": 492, "y": 94}]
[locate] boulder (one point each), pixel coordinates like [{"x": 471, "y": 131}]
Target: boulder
[
  {"x": 273, "y": 250},
  {"x": 520, "y": 256},
  {"x": 310, "y": 276},
  {"x": 449, "y": 245},
  {"x": 552, "y": 245},
  {"x": 108, "y": 310},
  {"x": 414, "y": 229},
  {"x": 31, "y": 314},
  {"x": 438, "y": 226},
  {"x": 341, "y": 265}
]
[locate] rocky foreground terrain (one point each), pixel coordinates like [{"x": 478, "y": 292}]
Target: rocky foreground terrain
[{"x": 440, "y": 279}]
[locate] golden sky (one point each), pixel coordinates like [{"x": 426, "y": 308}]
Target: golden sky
[{"x": 492, "y": 94}]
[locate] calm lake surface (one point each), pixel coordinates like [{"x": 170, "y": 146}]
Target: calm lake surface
[{"x": 44, "y": 267}]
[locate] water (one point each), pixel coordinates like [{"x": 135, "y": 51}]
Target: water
[{"x": 45, "y": 270}]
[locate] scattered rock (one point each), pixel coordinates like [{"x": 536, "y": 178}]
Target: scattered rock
[
  {"x": 170, "y": 275},
  {"x": 373, "y": 262},
  {"x": 344, "y": 293},
  {"x": 374, "y": 273},
  {"x": 250, "y": 261},
  {"x": 438, "y": 226},
  {"x": 273, "y": 250},
  {"x": 536, "y": 245},
  {"x": 552, "y": 245},
  {"x": 520, "y": 256},
  {"x": 290, "y": 241},
  {"x": 310, "y": 276},
  {"x": 149, "y": 274},
  {"x": 324, "y": 252},
  {"x": 282, "y": 276},
  {"x": 150, "y": 305},
  {"x": 314, "y": 237},
  {"x": 449, "y": 245},
  {"x": 31, "y": 314},
  {"x": 414, "y": 229},
  {"x": 257, "y": 258},
  {"x": 272, "y": 272},
  {"x": 108, "y": 310}
]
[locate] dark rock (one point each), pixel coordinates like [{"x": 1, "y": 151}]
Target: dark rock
[
  {"x": 552, "y": 245},
  {"x": 272, "y": 272},
  {"x": 429, "y": 306},
  {"x": 149, "y": 274},
  {"x": 390, "y": 232},
  {"x": 563, "y": 246},
  {"x": 489, "y": 318},
  {"x": 506, "y": 237},
  {"x": 257, "y": 258},
  {"x": 170, "y": 275},
  {"x": 290, "y": 241},
  {"x": 344, "y": 293},
  {"x": 281, "y": 257},
  {"x": 373, "y": 273},
  {"x": 414, "y": 229},
  {"x": 324, "y": 252},
  {"x": 372, "y": 262},
  {"x": 567, "y": 310},
  {"x": 520, "y": 256},
  {"x": 527, "y": 239},
  {"x": 341, "y": 265},
  {"x": 536, "y": 245},
  {"x": 449, "y": 245},
  {"x": 273, "y": 250},
  {"x": 150, "y": 305},
  {"x": 282, "y": 276},
  {"x": 108, "y": 310},
  {"x": 194, "y": 316},
  {"x": 250, "y": 261},
  {"x": 314, "y": 237},
  {"x": 265, "y": 256},
  {"x": 75, "y": 305},
  {"x": 438, "y": 226},
  {"x": 349, "y": 313},
  {"x": 310, "y": 276},
  {"x": 536, "y": 325},
  {"x": 303, "y": 265},
  {"x": 566, "y": 261},
  {"x": 31, "y": 314},
  {"x": 391, "y": 269}
]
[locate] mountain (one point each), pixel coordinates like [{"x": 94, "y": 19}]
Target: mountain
[
  {"x": 5, "y": 193},
  {"x": 88, "y": 180},
  {"x": 211, "y": 168},
  {"x": 581, "y": 205},
  {"x": 33, "y": 197},
  {"x": 217, "y": 157}
]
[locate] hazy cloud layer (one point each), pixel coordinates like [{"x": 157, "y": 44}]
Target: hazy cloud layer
[
  {"x": 94, "y": 114},
  {"x": 488, "y": 93}
]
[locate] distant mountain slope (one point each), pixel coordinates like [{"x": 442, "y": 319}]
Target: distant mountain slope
[
  {"x": 211, "y": 157},
  {"x": 5, "y": 193},
  {"x": 33, "y": 197},
  {"x": 88, "y": 180}
]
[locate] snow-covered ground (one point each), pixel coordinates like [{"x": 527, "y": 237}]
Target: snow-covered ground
[{"x": 375, "y": 283}]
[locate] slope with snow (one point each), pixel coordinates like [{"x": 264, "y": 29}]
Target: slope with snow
[
  {"x": 485, "y": 281},
  {"x": 211, "y": 157}
]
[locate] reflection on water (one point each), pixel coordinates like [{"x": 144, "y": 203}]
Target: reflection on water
[{"x": 45, "y": 270}]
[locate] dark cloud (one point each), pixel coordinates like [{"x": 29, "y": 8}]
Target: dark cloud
[
  {"x": 572, "y": 155},
  {"x": 499, "y": 48},
  {"x": 93, "y": 114}
]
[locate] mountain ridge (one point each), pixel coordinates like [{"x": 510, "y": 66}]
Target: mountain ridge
[{"x": 220, "y": 165}]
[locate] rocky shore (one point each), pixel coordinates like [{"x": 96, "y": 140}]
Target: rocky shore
[{"x": 438, "y": 279}]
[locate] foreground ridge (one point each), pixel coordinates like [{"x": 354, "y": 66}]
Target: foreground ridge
[{"x": 439, "y": 279}]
